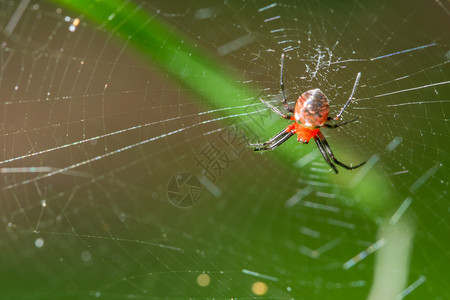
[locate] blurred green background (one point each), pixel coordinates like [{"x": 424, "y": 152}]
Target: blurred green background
[{"x": 104, "y": 102}]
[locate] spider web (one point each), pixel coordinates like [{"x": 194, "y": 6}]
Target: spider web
[{"x": 117, "y": 182}]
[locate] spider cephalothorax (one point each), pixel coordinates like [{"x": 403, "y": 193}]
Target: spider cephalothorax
[{"x": 310, "y": 113}]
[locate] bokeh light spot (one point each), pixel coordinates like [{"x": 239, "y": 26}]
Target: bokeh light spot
[
  {"x": 259, "y": 288},
  {"x": 203, "y": 279}
]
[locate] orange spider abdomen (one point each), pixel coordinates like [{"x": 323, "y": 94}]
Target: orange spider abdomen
[{"x": 312, "y": 108}]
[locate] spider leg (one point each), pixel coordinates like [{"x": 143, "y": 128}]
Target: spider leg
[
  {"x": 276, "y": 110},
  {"x": 331, "y": 155},
  {"x": 282, "y": 86},
  {"x": 358, "y": 76},
  {"x": 274, "y": 138},
  {"x": 340, "y": 124},
  {"x": 274, "y": 142},
  {"x": 324, "y": 154}
]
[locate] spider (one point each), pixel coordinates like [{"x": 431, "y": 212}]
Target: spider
[{"x": 310, "y": 113}]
